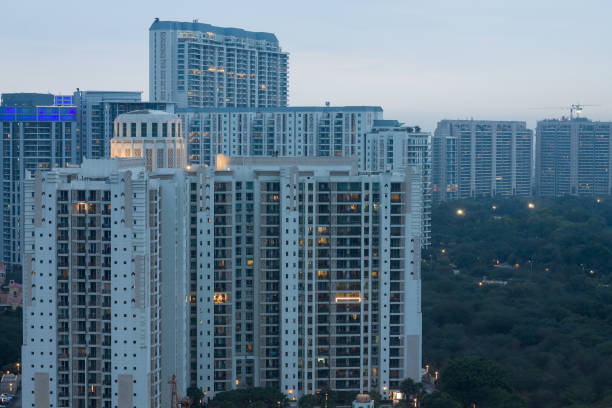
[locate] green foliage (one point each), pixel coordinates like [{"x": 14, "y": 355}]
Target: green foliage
[
  {"x": 249, "y": 398},
  {"x": 439, "y": 399},
  {"x": 410, "y": 388},
  {"x": 550, "y": 326},
  {"x": 11, "y": 337},
  {"x": 473, "y": 379},
  {"x": 196, "y": 395},
  {"x": 308, "y": 401}
]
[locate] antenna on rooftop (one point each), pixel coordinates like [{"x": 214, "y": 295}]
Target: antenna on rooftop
[{"x": 575, "y": 109}]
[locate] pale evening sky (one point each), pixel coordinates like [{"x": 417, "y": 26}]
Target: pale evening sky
[{"x": 422, "y": 61}]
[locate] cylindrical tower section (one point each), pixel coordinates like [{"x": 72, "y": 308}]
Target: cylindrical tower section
[{"x": 153, "y": 135}]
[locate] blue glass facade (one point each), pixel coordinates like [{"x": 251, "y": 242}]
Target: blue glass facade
[{"x": 31, "y": 138}]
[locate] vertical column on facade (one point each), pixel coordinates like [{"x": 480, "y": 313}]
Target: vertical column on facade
[
  {"x": 289, "y": 282},
  {"x": 206, "y": 281},
  {"x": 384, "y": 283},
  {"x": 412, "y": 335}
]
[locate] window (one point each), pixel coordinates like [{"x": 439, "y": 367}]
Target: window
[
  {"x": 174, "y": 130},
  {"x": 132, "y": 129},
  {"x": 154, "y": 129},
  {"x": 143, "y": 130},
  {"x": 164, "y": 130}
]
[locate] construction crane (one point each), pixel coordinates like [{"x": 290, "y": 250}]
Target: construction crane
[
  {"x": 575, "y": 109},
  {"x": 175, "y": 401}
]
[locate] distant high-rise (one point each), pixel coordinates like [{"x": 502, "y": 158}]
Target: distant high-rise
[
  {"x": 390, "y": 145},
  {"x": 33, "y": 137},
  {"x": 573, "y": 156},
  {"x": 480, "y": 158},
  {"x": 200, "y": 65}
]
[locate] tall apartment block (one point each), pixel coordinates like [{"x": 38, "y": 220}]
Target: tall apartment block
[
  {"x": 200, "y": 65},
  {"x": 104, "y": 267},
  {"x": 312, "y": 276},
  {"x": 96, "y": 113},
  {"x": 33, "y": 137},
  {"x": 392, "y": 145},
  {"x": 573, "y": 156},
  {"x": 479, "y": 158}
]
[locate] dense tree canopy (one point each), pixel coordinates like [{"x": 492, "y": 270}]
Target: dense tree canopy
[
  {"x": 550, "y": 324},
  {"x": 11, "y": 337},
  {"x": 249, "y": 398}
]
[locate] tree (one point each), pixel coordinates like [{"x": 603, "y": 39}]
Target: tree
[
  {"x": 473, "y": 379},
  {"x": 410, "y": 388},
  {"x": 196, "y": 395},
  {"x": 308, "y": 401},
  {"x": 245, "y": 398},
  {"x": 439, "y": 399}
]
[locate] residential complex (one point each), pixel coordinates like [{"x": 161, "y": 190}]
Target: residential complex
[
  {"x": 573, "y": 156},
  {"x": 200, "y": 65},
  {"x": 478, "y": 158},
  {"x": 294, "y": 273},
  {"x": 33, "y": 137}
]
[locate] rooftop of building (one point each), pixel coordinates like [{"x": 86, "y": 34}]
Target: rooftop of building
[
  {"x": 208, "y": 28},
  {"x": 146, "y": 114},
  {"x": 479, "y": 121},
  {"x": 289, "y": 109},
  {"x": 386, "y": 123},
  {"x": 345, "y": 165}
]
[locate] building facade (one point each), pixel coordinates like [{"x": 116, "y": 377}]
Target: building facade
[
  {"x": 573, "y": 156},
  {"x": 33, "y": 137},
  {"x": 92, "y": 287},
  {"x": 476, "y": 158},
  {"x": 312, "y": 276},
  {"x": 201, "y": 65},
  {"x": 113, "y": 232},
  {"x": 267, "y": 132},
  {"x": 96, "y": 113}
]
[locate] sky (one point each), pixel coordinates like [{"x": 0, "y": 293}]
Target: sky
[{"x": 422, "y": 61}]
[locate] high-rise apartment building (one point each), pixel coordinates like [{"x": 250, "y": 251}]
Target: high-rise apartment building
[
  {"x": 312, "y": 276},
  {"x": 200, "y": 65},
  {"x": 477, "y": 158},
  {"x": 96, "y": 113},
  {"x": 573, "y": 156},
  {"x": 33, "y": 137},
  {"x": 104, "y": 264},
  {"x": 390, "y": 145}
]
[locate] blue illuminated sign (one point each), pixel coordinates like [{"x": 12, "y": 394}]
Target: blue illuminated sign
[{"x": 41, "y": 113}]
